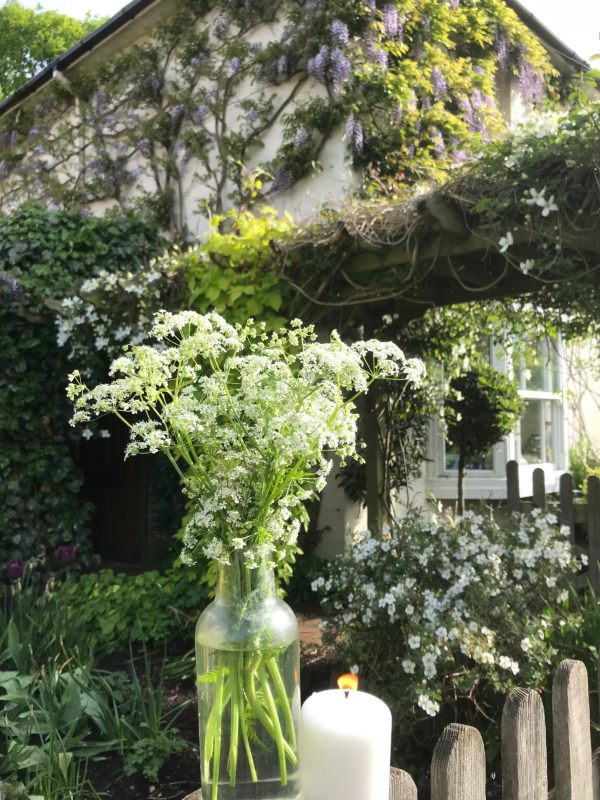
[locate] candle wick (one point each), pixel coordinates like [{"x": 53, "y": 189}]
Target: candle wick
[{"x": 346, "y": 693}]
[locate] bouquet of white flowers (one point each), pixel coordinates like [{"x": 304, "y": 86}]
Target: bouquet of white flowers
[{"x": 250, "y": 421}]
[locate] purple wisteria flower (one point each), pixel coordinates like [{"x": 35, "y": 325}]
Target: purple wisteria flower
[
  {"x": 39, "y": 150},
  {"x": 398, "y": 114},
  {"x": 459, "y": 155},
  {"x": 153, "y": 82},
  {"x": 200, "y": 113},
  {"x": 502, "y": 47},
  {"x": 252, "y": 116},
  {"x": 392, "y": 24},
  {"x": 33, "y": 131},
  {"x": 67, "y": 553},
  {"x": 439, "y": 145},
  {"x": 235, "y": 64},
  {"x": 144, "y": 146},
  {"x": 281, "y": 65},
  {"x": 468, "y": 113},
  {"x": 3, "y": 170},
  {"x": 314, "y": 7},
  {"x": 10, "y": 285},
  {"x": 531, "y": 82},
  {"x": 439, "y": 84},
  {"x": 341, "y": 69},
  {"x": 340, "y": 35},
  {"x": 14, "y": 568},
  {"x": 97, "y": 166},
  {"x": 354, "y": 133},
  {"x": 282, "y": 180},
  {"x": 374, "y": 53},
  {"x": 476, "y": 98},
  {"x": 302, "y": 136},
  {"x": 318, "y": 64},
  {"x": 454, "y": 3}
]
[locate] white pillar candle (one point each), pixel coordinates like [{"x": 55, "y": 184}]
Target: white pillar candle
[{"x": 345, "y": 744}]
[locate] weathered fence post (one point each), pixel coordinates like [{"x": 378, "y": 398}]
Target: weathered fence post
[
  {"x": 402, "y": 786},
  {"x": 593, "y": 527},
  {"x": 524, "y": 761},
  {"x": 458, "y": 765},
  {"x": 539, "y": 488},
  {"x": 571, "y": 730},
  {"x": 567, "y": 511},
  {"x": 513, "y": 494}
]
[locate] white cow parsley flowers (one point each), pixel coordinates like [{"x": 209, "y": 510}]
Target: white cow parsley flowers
[{"x": 249, "y": 420}]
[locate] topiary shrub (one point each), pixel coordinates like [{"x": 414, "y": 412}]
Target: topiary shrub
[{"x": 482, "y": 406}]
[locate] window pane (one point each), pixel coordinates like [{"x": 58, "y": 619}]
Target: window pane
[
  {"x": 483, "y": 461},
  {"x": 539, "y": 371},
  {"x": 537, "y": 433}
]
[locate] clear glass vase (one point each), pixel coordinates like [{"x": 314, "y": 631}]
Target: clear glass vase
[{"x": 248, "y": 677}]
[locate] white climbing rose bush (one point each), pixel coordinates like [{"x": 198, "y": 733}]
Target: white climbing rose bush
[
  {"x": 441, "y": 609},
  {"x": 249, "y": 419}
]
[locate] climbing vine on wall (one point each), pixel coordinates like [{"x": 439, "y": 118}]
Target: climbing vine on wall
[
  {"x": 408, "y": 85},
  {"x": 43, "y": 257}
]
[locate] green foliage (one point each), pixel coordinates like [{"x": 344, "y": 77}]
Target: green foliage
[
  {"x": 583, "y": 463},
  {"x": 481, "y": 407},
  {"x": 413, "y": 83},
  {"x": 115, "y": 609},
  {"x": 232, "y": 272},
  {"x": 45, "y": 256},
  {"x": 59, "y": 710},
  {"x": 152, "y": 733},
  {"x": 31, "y": 38}
]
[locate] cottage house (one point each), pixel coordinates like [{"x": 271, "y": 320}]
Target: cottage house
[{"x": 181, "y": 107}]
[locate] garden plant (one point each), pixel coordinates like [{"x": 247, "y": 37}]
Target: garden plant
[{"x": 250, "y": 421}]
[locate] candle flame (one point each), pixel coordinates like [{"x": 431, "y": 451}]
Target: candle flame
[{"x": 348, "y": 682}]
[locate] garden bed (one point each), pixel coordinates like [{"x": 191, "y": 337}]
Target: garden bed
[{"x": 180, "y": 774}]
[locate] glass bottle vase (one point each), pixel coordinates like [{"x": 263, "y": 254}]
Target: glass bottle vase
[{"x": 248, "y": 679}]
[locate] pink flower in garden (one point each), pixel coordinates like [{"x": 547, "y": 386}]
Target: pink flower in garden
[
  {"x": 67, "y": 553},
  {"x": 14, "y": 568}
]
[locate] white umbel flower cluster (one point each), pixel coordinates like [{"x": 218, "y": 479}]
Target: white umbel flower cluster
[{"x": 250, "y": 420}]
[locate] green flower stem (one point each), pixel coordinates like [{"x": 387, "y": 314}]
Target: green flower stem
[
  {"x": 278, "y": 737},
  {"x": 243, "y": 721},
  {"x": 217, "y": 729},
  {"x": 209, "y": 739},
  {"x": 262, "y": 715},
  {"x": 236, "y": 704},
  {"x": 283, "y": 699}
]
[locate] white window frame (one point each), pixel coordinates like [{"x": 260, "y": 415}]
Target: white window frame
[{"x": 490, "y": 484}]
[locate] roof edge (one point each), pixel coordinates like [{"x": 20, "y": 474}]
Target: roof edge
[
  {"x": 133, "y": 9},
  {"x": 79, "y": 49},
  {"x": 548, "y": 37}
]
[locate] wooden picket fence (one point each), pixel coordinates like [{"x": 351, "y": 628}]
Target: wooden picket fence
[
  {"x": 582, "y": 518},
  {"x": 458, "y": 767}
]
